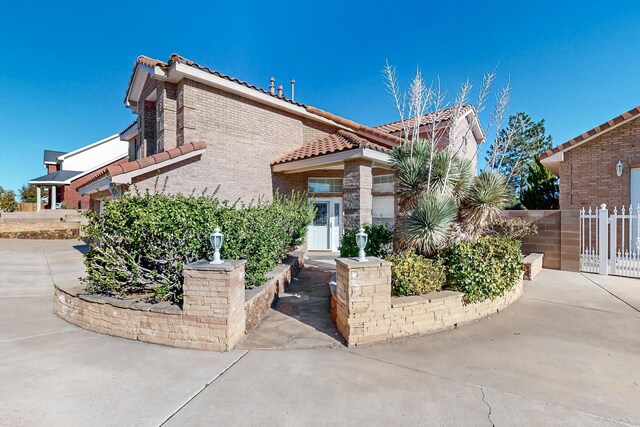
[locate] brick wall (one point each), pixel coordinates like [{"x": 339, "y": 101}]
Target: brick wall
[
  {"x": 558, "y": 237},
  {"x": 243, "y": 137},
  {"x": 365, "y": 312},
  {"x": 588, "y": 173}
]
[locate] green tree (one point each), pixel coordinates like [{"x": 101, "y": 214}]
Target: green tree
[
  {"x": 542, "y": 189},
  {"x": 28, "y": 194},
  {"x": 7, "y": 200},
  {"x": 522, "y": 139}
]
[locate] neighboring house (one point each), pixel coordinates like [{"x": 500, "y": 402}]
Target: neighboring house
[
  {"x": 600, "y": 166},
  {"x": 202, "y": 129},
  {"x": 68, "y": 171}
]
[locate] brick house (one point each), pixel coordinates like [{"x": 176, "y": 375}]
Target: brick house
[
  {"x": 66, "y": 172},
  {"x": 601, "y": 165},
  {"x": 202, "y": 129}
]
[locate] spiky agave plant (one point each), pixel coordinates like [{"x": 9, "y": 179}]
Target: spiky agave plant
[{"x": 439, "y": 199}]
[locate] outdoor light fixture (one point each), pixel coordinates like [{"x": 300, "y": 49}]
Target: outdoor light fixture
[
  {"x": 361, "y": 241},
  {"x": 619, "y": 167},
  {"x": 216, "y": 239}
]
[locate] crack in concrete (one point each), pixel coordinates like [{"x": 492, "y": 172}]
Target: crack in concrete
[
  {"x": 433, "y": 374},
  {"x": 610, "y": 292},
  {"x": 484, "y": 399},
  {"x": 197, "y": 393}
]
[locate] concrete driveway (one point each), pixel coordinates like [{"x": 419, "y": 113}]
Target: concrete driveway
[{"x": 567, "y": 353}]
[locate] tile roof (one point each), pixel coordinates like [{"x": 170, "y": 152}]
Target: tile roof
[
  {"x": 634, "y": 112},
  {"x": 336, "y": 142},
  {"x": 52, "y": 156},
  {"x": 434, "y": 117},
  {"x": 175, "y": 58},
  {"x": 132, "y": 124},
  {"x": 156, "y": 158},
  {"x": 59, "y": 177}
]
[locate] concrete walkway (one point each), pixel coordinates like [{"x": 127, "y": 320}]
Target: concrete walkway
[{"x": 567, "y": 353}]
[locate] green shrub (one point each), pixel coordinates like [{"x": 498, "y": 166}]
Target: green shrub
[
  {"x": 483, "y": 269},
  {"x": 413, "y": 274},
  {"x": 143, "y": 241},
  {"x": 7, "y": 201},
  {"x": 379, "y": 243},
  {"x": 511, "y": 228}
]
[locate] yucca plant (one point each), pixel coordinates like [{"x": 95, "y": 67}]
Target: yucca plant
[{"x": 440, "y": 201}]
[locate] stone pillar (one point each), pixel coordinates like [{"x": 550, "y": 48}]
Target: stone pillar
[
  {"x": 356, "y": 193},
  {"x": 52, "y": 197},
  {"x": 38, "y": 198},
  {"x": 214, "y": 295},
  {"x": 363, "y": 300}
]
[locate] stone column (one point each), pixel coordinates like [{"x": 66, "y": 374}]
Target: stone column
[
  {"x": 356, "y": 193},
  {"x": 214, "y": 295},
  {"x": 363, "y": 300},
  {"x": 52, "y": 197},
  {"x": 38, "y": 198}
]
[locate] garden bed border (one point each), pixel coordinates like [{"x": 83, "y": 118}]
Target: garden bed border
[{"x": 216, "y": 312}]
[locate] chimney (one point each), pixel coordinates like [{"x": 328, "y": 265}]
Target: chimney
[
  {"x": 280, "y": 91},
  {"x": 293, "y": 85},
  {"x": 272, "y": 86}
]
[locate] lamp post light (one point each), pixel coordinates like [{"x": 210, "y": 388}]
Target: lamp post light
[
  {"x": 619, "y": 167},
  {"x": 361, "y": 241},
  {"x": 216, "y": 239}
]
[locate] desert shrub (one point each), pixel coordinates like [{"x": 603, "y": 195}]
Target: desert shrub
[
  {"x": 483, "y": 269},
  {"x": 379, "y": 243},
  {"x": 141, "y": 242},
  {"x": 413, "y": 274},
  {"x": 511, "y": 228}
]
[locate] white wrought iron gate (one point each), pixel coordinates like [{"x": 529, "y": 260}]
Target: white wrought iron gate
[{"x": 610, "y": 243}]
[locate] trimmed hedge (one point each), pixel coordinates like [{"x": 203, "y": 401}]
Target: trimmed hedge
[
  {"x": 141, "y": 242},
  {"x": 413, "y": 274},
  {"x": 379, "y": 243},
  {"x": 483, "y": 269}
]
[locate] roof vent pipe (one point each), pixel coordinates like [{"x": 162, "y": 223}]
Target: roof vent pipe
[
  {"x": 272, "y": 85},
  {"x": 280, "y": 91},
  {"x": 293, "y": 85}
]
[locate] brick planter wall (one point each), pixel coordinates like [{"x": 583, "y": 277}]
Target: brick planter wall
[
  {"x": 365, "y": 311},
  {"x": 215, "y": 314}
]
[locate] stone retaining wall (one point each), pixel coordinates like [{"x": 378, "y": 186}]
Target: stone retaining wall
[
  {"x": 258, "y": 301},
  {"x": 40, "y": 230},
  {"x": 214, "y": 315},
  {"x": 365, "y": 312}
]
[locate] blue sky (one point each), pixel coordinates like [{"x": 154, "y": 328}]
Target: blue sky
[{"x": 67, "y": 64}]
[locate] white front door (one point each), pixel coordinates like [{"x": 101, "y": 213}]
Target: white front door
[{"x": 326, "y": 228}]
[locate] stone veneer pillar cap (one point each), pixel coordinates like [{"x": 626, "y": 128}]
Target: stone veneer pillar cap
[
  {"x": 354, "y": 263},
  {"x": 204, "y": 265}
]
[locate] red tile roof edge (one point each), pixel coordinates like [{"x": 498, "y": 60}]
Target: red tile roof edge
[
  {"x": 438, "y": 116},
  {"x": 155, "y": 158},
  {"x": 593, "y": 132},
  {"x": 328, "y": 144}
]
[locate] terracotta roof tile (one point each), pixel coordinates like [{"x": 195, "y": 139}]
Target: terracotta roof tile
[
  {"x": 132, "y": 124},
  {"x": 336, "y": 142},
  {"x": 434, "y": 117},
  {"x": 634, "y": 112},
  {"x": 154, "y": 159}
]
